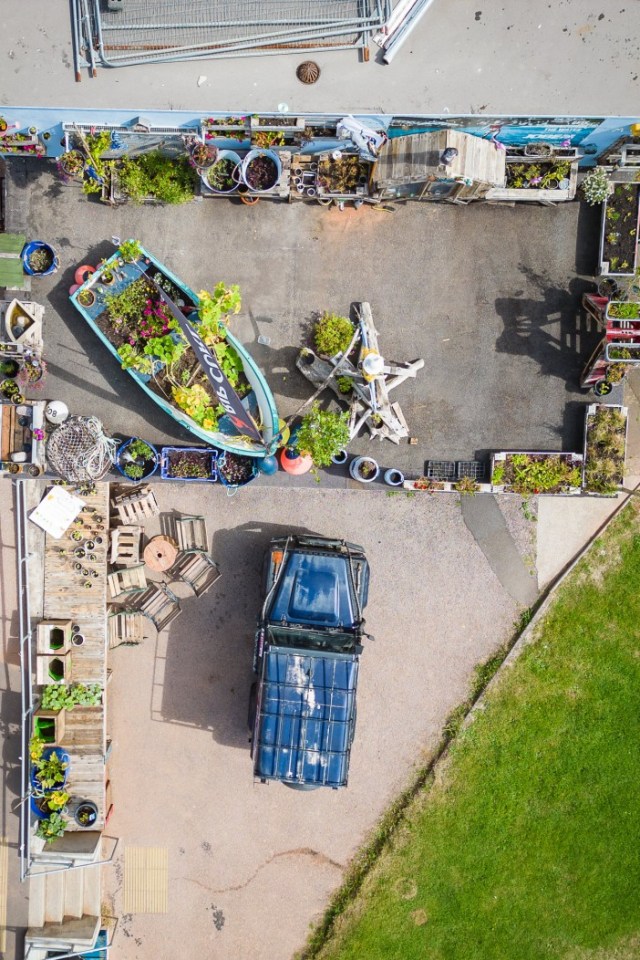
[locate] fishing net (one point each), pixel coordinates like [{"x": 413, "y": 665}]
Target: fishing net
[{"x": 79, "y": 450}]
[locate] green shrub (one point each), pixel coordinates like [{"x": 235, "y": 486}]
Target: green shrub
[
  {"x": 322, "y": 434},
  {"x": 332, "y": 334}
]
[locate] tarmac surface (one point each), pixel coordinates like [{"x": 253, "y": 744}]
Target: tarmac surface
[
  {"x": 489, "y": 296},
  {"x": 572, "y": 57}
]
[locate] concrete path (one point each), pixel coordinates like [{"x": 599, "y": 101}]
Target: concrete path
[{"x": 485, "y": 521}]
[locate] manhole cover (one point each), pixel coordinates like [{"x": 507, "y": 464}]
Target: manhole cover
[{"x": 308, "y": 72}]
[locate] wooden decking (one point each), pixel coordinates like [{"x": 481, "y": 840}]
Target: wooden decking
[{"x": 66, "y": 597}]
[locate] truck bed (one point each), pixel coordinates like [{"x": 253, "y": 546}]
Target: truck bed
[{"x": 306, "y": 717}]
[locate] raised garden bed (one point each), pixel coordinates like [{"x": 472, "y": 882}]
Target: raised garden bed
[
  {"x": 530, "y": 473},
  {"x": 619, "y": 230},
  {"x": 192, "y": 464},
  {"x": 348, "y": 176},
  {"x": 539, "y": 179},
  {"x": 605, "y": 441}
]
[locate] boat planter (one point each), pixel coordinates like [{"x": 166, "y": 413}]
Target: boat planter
[
  {"x": 605, "y": 440},
  {"x": 393, "y": 477},
  {"x": 39, "y": 259},
  {"x": 191, "y": 464},
  {"x": 236, "y": 471},
  {"x": 36, "y": 769},
  {"x": 536, "y": 473},
  {"x": 223, "y": 177},
  {"x": 364, "y": 469},
  {"x": 224, "y": 435},
  {"x": 619, "y": 230},
  {"x": 137, "y": 459},
  {"x": 261, "y": 170}
]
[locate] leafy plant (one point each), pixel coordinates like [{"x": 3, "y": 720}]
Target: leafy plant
[
  {"x": 130, "y": 250},
  {"x": 190, "y": 464},
  {"x": 197, "y": 404},
  {"x": 345, "y": 384},
  {"x": 527, "y": 474},
  {"x": 624, "y": 311},
  {"x": 498, "y": 475},
  {"x": 322, "y": 434},
  {"x": 36, "y": 748},
  {"x": 57, "y": 696},
  {"x": 213, "y": 308},
  {"x": 595, "y": 186},
  {"x": 129, "y": 305},
  {"x": 467, "y": 485},
  {"x": 132, "y": 359},
  {"x": 332, "y": 334},
  {"x": 97, "y": 144},
  {"x": 140, "y": 450},
  {"x": 50, "y": 771},
  {"x": 167, "y": 179},
  {"x": 134, "y": 471},
  {"x": 52, "y": 828},
  {"x": 57, "y": 800},
  {"x": 220, "y": 175}
]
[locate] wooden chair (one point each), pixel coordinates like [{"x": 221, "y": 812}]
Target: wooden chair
[
  {"x": 197, "y": 570},
  {"x": 135, "y": 507},
  {"x": 127, "y": 580},
  {"x": 126, "y": 628},
  {"x": 191, "y": 533},
  {"x": 125, "y": 545},
  {"x": 159, "y": 605}
]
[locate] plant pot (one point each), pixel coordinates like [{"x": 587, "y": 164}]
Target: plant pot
[
  {"x": 108, "y": 279},
  {"x": 364, "y": 469},
  {"x": 86, "y": 298},
  {"x": 552, "y": 184},
  {"x": 17, "y": 398},
  {"x": 607, "y": 288},
  {"x": 235, "y": 470},
  {"x": 261, "y": 170},
  {"x": 203, "y": 156},
  {"x": 33, "y": 470},
  {"x": 8, "y": 388},
  {"x": 340, "y": 457},
  {"x": 37, "y": 804},
  {"x": 46, "y": 256},
  {"x": 602, "y": 388},
  {"x": 149, "y": 467},
  {"x": 233, "y": 162},
  {"x": 86, "y": 813},
  {"x": 77, "y": 639},
  {"x": 393, "y": 477},
  {"x": 9, "y": 368},
  {"x": 246, "y": 197},
  {"x": 538, "y": 150},
  {"x": 72, "y": 163}
]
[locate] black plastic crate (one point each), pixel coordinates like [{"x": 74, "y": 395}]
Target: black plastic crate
[
  {"x": 441, "y": 470},
  {"x": 475, "y": 469}
]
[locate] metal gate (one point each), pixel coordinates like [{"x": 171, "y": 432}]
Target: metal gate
[{"x": 119, "y": 33}]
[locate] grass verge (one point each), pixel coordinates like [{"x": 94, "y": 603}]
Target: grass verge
[{"x": 527, "y": 842}]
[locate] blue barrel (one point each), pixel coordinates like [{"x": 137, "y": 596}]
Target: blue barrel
[{"x": 30, "y": 248}]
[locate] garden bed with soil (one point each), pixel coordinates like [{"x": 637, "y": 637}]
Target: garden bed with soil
[
  {"x": 604, "y": 448},
  {"x": 619, "y": 232},
  {"x": 189, "y": 463},
  {"x": 536, "y": 473}
]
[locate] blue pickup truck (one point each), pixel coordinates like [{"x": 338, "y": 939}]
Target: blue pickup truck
[{"x": 302, "y": 709}]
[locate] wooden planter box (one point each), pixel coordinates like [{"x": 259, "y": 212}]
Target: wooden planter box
[
  {"x": 535, "y": 194},
  {"x": 573, "y": 460},
  {"x": 46, "y": 718},
  {"x": 607, "y": 266},
  {"x": 48, "y": 633},
  {"x": 592, "y": 409}
]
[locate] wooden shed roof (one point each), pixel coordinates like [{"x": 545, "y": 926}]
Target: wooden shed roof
[{"x": 416, "y": 158}]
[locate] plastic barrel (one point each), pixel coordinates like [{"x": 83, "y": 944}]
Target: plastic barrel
[
  {"x": 252, "y": 155},
  {"x": 30, "y": 248}
]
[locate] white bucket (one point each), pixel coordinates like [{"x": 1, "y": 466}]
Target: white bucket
[{"x": 252, "y": 155}]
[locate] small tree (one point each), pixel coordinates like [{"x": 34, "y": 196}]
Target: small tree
[{"x": 322, "y": 434}]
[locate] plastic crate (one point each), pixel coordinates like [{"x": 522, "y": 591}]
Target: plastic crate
[
  {"x": 441, "y": 470},
  {"x": 164, "y": 464},
  {"x": 475, "y": 469}
]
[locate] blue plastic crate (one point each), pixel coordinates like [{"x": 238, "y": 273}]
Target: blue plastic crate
[{"x": 164, "y": 464}]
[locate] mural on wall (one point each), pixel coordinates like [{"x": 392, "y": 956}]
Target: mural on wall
[{"x": 35, "y": 131}]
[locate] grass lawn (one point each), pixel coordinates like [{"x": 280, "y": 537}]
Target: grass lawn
[{"x": 527, "y": 846}]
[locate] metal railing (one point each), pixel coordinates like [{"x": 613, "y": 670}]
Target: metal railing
[{"x": 26, "y": 672}]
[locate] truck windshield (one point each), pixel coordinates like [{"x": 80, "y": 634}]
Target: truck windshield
[{"x": 331, "y": 640}]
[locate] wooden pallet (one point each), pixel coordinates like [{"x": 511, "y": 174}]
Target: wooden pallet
[
  {"x": 126, "y": 627},
  {"x": 125, "y": 545},
  {"x": 191, "y": 533},
  {"x": 127, "y": 580},
  {"x": 197, "y": 570},
  {"x": 136, "y": 507}
]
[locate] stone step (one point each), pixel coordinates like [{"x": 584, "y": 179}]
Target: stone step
[
  {"x": 80, "y": 932},
  {"x": 36, "y": 901},
  {"x": 54, "y": 898},
  {"x": 73, "y": 892},
  {"x": 92, "y": 891}
]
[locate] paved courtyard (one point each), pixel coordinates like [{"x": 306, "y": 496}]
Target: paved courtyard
[
  {"x": 250, "y": 865},
  {"x": 489, "y": 296}
]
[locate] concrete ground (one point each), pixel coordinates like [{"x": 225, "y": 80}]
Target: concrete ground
[
  {"x": 250, "y": 866},
  {"x": 488, "y": 296},
  {"x": 537, "y": 58}
]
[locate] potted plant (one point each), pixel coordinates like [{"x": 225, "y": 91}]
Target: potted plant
[
  {"x": 72, "y": 163},
  {"x": 32, "y": 372},
  {"x": 136, "y": 459},
  {"x": 394, "y": 477},
  {"x": 52, "y": 828},
  {"x": 261, "y": 170},
  {"x": 604, "y": 448},
  {"x": 222, "y": 177},
  {"x": 332, "y": 334},
  {"x": 322, "y": 434},
  {"x": 8, "y": 389},
  {"x": 202, "y": 155},
  {"x": 49, "y": 772},
  {"x": 596, "y": 186},
  {"x": 86, "y": 298},
  {"x": 39, "y": 259},
  {"x": 86, "y": 813},
  {"x": 236, "y": 470},
  {"x": 467, "y": 486},
  {"x": 188, "y": 463},
  {"x": 364, "y": 469},
  {"x": 43, "y": 805}
]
